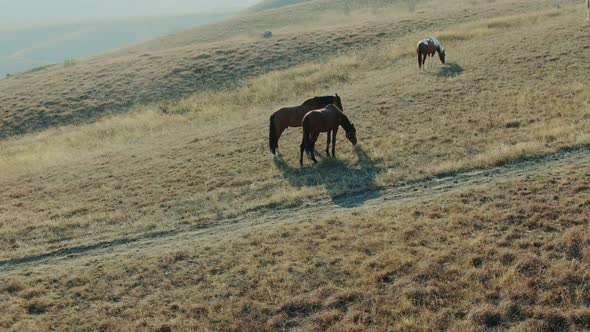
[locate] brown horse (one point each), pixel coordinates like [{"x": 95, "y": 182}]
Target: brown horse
[
  {"x": 293, "y": 116},
  {"x": 324, "y": 120},
  {"x": 428, "y": 47}
]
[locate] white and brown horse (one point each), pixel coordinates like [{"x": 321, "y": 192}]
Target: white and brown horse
[{"x": 428, "y": 47}]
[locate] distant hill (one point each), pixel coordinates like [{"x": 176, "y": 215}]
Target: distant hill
[
  {"x": 271, "y": 4},
  {"x": 28, "y": 47}
]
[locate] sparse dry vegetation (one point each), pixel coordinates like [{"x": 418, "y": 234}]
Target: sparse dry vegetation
[
  {"x": 206, "y": 159},
  {"x": 203, "y": 59},
  {"x": 512, "y": 255}
]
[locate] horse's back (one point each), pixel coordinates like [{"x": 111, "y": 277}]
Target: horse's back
[
  {"x": 428, "y": 46},
  {"x": 290, "y": 116},
  {"x": 323, "y": 119},
  {"x": 314, "y": 116},
  {"x": 293, "y": 116},
  {"x": 318, "y": 102}
]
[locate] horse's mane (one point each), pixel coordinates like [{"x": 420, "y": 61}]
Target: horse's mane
[
  {"x": 316, "y": 100},
  {"x": 437, "y": 44}
]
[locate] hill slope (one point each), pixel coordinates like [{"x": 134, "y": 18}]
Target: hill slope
[
  {"x": 188, "y": 62},
  {"x": 463, "y": 207},
  {"x": 156, "y": 171},
  {"x": 512, "y": 252}
]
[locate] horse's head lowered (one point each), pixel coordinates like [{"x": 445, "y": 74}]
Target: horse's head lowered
[
  {"x": 441, "y": 54},
  {"x": 338, "y": 102},
  {"x": 351, "y": 134}
]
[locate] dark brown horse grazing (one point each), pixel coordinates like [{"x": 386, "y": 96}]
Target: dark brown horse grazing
[
  {"x": 324, "y": 120},
  {"x": 428, "y": 47},
  {"x": 293, "y": 116}
]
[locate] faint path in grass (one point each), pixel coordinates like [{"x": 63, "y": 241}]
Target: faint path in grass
[{"x": 424, "y": 188}]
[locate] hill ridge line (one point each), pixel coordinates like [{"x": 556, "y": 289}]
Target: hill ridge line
[{"x": 427, "y": 187}]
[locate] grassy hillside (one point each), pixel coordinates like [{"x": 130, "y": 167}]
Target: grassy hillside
[
  {"x": 207, "y": 159},
  {"x": 510, "y": 255},
  {"x": 175, "y": 216},
  {"x": 31, "y": 47},
  {"x": 187, "y": 62}
]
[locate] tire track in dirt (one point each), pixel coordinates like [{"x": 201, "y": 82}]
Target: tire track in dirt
[{"x": 424, "y": 188}]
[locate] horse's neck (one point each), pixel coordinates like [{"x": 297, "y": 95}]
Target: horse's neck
[
  {"x": 344, "y": 121},
  {"x": 437, "y": 44}
]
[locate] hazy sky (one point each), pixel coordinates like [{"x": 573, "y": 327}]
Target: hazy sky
[{"x": 49, "y": 11}]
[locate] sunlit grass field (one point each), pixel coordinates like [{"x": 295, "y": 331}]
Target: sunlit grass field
[
  {"x": 512, "y": 88},
  {"x": 206, "y": 158},
  {"x": 221, "y": 56},
  {"x": 514, "y": 255}
]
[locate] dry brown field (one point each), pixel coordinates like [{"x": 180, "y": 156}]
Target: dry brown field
[
  {"x": 217, "y": 56},
  {"x": 465, "y": 205}
]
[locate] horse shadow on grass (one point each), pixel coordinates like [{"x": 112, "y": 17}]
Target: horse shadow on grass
[
  {"x": 450, "y": 70},
  {"x": 348, "y": 185}
]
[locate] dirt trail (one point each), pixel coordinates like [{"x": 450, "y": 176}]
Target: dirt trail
[{"x": 415, "y": 190}]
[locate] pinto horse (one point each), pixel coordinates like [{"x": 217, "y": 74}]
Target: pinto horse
[
  {"x": 324, "y": 120},
  {"x": 428, "y": 47},
  {"x": 293, "y": 116}
]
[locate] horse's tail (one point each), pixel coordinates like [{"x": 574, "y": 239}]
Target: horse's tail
[
  {"x": 272, "y": 136},
  {"x": 307, "y": 135}
]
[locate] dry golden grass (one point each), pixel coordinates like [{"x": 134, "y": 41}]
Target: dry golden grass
[
  {"x": 220, "y": 55},
  {"x": 264, "y": 90},
  {"x": 508, "y": 255},
  {"x": 514, "y": 255},
  {"x": 207, "y": 158}
]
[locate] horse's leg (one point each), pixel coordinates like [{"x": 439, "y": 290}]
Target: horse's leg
[
  {"x": 328, "y": 144},
  {"x": 424, "y": 62},
  {"x": 419, "y": 59},
  {"x": 314, "y": 139},
  {"x": 280, "y": 131},
  {"x": 334, "y": 143},
  {"x": 302, "y": 148}
]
